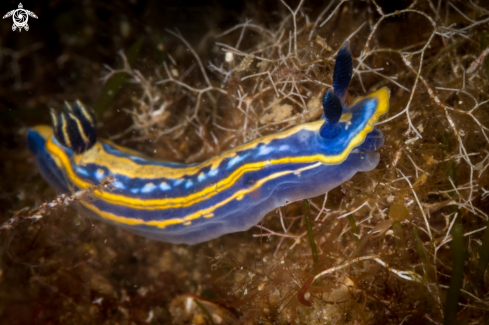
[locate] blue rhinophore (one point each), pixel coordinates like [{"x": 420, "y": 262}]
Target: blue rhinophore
[{"x": 343, "y": 71}]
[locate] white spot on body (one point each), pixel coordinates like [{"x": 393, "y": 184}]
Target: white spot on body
[
  {"x": 213, "y": 172},
  {"x": 189, "y": 184},
  {"x": 264, "y": 151},
  {"x": 164, "y": 186},
  {"x": 178, "y": 182},
  {"x": 201, "y": 177},
  {"x": 82, "y": 171},
  {"x": 149, "y": 187},
  {"x": 233, "y": 161},
  {"x": 99, "y": 174},
  {"x": 283, "y": 147},
  {"x": 135, "y": 190},
  {"x": 119, "y": 185}
]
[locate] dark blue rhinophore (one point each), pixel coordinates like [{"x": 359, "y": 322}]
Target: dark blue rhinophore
[
  {"x": 343, "y": 71},
  {"x": 332, "y": 113},
  {"x": 334, "y": 99}
]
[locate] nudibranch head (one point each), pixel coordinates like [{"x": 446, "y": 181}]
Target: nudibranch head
[{"x": 346, "y": 128}]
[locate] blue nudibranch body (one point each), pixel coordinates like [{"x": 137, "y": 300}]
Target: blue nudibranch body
[{"x": 230, "y": 192}]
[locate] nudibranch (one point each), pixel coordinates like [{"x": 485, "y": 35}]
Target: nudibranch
[{"x": 230, "y": 192}]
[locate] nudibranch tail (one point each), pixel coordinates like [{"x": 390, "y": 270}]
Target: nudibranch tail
[{"x": 46, "y": 163}]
